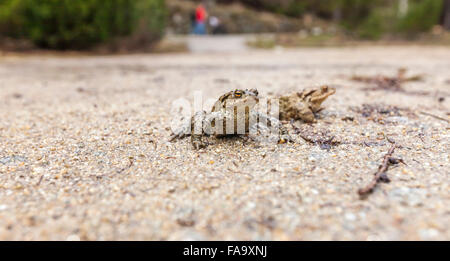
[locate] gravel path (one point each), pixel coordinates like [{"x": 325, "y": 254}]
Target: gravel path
[
  {"x": 84, "y": 151},
  {"x": 216, "y": 43}
]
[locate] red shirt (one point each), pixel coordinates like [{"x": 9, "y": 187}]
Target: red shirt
[{"x": 200, "y": 14}]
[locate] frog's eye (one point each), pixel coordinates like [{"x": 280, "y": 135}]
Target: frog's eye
[{"x": 238, "y": 94}]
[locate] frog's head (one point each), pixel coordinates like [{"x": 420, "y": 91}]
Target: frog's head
[
  {"x": 239, "y": 97},
  {"x": 246, "y": 98},
  {"x": 239, "y": 94},
  {"x": 321, "y": 94}
]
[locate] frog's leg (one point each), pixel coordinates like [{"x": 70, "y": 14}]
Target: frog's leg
[
  {"x": 259, "y": 132},
  {"x": 307, "y": 116},
  {"x": 283, "y": 134},
  {"x": 197, "y": 131},
  {"x": 197, "y": 142},
  {"x": 206, "y": 128},
  {"x": 181, "y": 132},
  {"x": 214, "y": 123}
]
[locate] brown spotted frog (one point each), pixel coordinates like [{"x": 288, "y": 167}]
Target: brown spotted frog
[
  {"x": 305, "y": 104},
  {"x": 234, "y": 113}
]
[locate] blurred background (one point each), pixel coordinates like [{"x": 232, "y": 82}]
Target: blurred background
[{"x": 158, "y": 25}]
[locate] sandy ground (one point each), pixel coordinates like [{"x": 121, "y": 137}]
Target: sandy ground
[
  {"x": 84, "y": 151},
  {"x": 216, "y": 43}
]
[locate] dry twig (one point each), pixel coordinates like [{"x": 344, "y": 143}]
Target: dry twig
[
  {"x": 435, "y": 116},
  {"x": 130, "y": 164},
  {"x": 40, "y": 180},
  {"x": 381, "y": 82},
  {"x": 380, "y": 175}
]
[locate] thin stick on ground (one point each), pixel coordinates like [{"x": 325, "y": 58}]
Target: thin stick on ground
[
  {"x": 380, "y": 175},
  {"x": 435, "y": 116},
  {"x": 40, "y": 180},
  {"x": 130, "y": 164}
]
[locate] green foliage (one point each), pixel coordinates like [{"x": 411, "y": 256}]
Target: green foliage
[
  {"x": 9, "y": 20},
  {"x": 362, "y": 18},
  {"x": 421, "y": 17},
  {"x": 295, "y": 8},
  {"x": 351, "y": 9},
  {"x": 80, "y": 24},
  {"x": 372, "y": 27}
]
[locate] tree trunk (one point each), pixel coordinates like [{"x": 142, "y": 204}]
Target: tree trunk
[
  {"x": 337, "y": 14},
  {"x": 402, "y": 8},
  {"x": 446, "y": 15}
]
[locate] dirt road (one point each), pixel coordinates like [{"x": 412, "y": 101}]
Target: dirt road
[
  {"x": 217, "y": 44},
  {"x": 84, "y": 151}
]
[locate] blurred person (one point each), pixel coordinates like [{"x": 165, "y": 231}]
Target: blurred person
[
  {"x": 446, "y": 15},
  {"x": 216, "y": 25},
  {"x": 192, "y": 19},
  {"x": 214, "y": 21},
  {"x": 200, "y": 18}
]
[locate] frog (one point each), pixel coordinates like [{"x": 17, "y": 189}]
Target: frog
[
  {"x": 304, "y": 105},
  {"x": 234, "y": 113}
]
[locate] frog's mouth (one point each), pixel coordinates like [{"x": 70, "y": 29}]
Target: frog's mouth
[
  {"x": 252, "y": 97},
  {"x": 252, "y": 92},
  {"x": 250, "y": 103}
]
